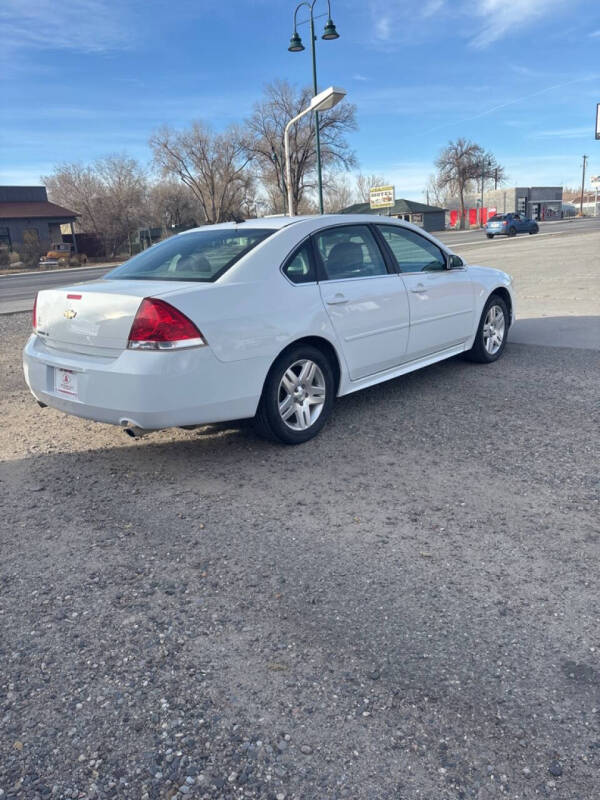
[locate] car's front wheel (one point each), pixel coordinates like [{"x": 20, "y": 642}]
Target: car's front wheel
[
  {"x": 297, "y": 396},
  {"x": 490, "y": 339}
]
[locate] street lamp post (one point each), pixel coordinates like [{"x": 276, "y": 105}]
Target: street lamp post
[
  {"x": 484, "y": 162},
  {"x": 320, "y": 102},
  {"x": 296, "y": 46}
]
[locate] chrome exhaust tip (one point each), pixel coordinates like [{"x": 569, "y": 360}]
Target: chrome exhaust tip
[{"x": 132, "y": 430}]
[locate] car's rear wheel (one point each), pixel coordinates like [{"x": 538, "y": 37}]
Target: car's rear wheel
[
  {"x": 512, "y": 231},
  {"x": 490, "y": 339},
  {"x": 490, "y": 235},
  {"x": 297, "y": 396}
]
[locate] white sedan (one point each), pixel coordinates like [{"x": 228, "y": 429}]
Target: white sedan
[{"x": 268, "y": 319}]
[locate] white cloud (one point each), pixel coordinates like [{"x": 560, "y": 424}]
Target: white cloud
[
  {"x": 82, "y": 25},
  {"x": 481, "y": 23},
  {"x": 498, "y": 19},
  {"x": 564, "y": 133},
  {"x": 431, "y": 7},
  {"x": 383, "y": 27}
]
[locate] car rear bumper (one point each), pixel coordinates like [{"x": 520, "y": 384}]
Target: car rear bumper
[
  {"x": 147, "y": 389},
  {"x": 497, "y": 231}
]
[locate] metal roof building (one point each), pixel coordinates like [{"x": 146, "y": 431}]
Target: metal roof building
[
  {"x": 26, "y": 210},
  {"x": 430, "y": 218}
]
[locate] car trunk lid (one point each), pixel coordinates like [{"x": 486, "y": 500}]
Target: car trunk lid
[{"x": 94, "y": 318}]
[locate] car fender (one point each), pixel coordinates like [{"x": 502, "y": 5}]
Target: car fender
[{"x": 485, "y": 281}]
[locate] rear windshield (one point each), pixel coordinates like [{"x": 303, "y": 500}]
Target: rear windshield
[
  {"x": 498, "y": 217},
  {"x": 201, "y": 256}
]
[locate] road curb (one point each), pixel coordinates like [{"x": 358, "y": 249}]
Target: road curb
[
  {"x": 513, "y": 239},
  {"x": 65, "y": 269}
]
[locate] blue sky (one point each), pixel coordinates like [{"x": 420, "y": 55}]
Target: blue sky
[{"x": 84, "y": 78}]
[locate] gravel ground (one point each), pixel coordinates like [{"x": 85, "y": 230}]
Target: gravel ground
[{"x": 406, "y": 607}]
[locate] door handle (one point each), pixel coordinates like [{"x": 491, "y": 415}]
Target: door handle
[
  {"x": 337, "y": 300},
  {"x": 419, "y": 289}
]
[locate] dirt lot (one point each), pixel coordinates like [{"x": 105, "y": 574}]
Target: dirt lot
[{"x": 406, "y": 607}]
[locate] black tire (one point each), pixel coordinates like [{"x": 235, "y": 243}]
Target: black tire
[
  {"x": 490, "y": 235},
  {"x": 534, "y": 230},
  {"x": 512, "y": 231},
  {"x": 268, "y": 422},
  {"x": 478, "y": 352}
]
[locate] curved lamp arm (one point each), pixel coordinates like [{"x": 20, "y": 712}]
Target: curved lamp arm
[{"x": 288, "y": 165}]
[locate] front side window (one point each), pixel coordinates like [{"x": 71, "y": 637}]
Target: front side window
[
  {"x": 299, "y": 268},
  {"x": 200, "y": 256},
  {"x": 414, "y": 253},
  {"x": 349, "y": 251}
]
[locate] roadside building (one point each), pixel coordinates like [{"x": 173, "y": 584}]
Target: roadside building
[
  {"x": 25, "y": 210},
  {"x": 537, "y": 202},
  {"x": 430, "y": 218}
]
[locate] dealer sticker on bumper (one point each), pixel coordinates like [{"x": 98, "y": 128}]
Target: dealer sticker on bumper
[{"x": 65, "y": 382}]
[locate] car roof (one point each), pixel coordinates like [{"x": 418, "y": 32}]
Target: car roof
[
  {"x": 275, "y": 222},
  {"x": 310, "y": 223}
]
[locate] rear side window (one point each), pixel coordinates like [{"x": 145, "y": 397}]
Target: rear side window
[
  {"x": 200, "y": 256},
  {"x": 299, "y": 267},
  {"x": 414, "y": 253},
  {"x": 349, "y": 251}
]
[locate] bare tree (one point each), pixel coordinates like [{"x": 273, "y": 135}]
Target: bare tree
[
  {"x": 492, "y": 173},
  {"x": 337, "y": 192},
  {"x": 172, "y": 205},
  {"x": 214, "y": 166},
  {"x": 78, "y": 187},
  {"x": 123, "y": 200},
  {"x": 109, "y": 196},
  {"x": 434, "y": 194},
  {"x": 364, "y": 184},
  {"x": 463, "y": 165},
  {"x": 459, "y": 166},
  {"x": 265, "y": 142}
]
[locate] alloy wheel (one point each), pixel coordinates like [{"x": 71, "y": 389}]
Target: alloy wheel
[
  {"x": 301, "y": 395},
  {"x": 494, "y": 329}
]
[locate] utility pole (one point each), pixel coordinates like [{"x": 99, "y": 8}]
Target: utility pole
[
  {"x": 484, "y": 163},
  {"x": 585, "y": 158}
]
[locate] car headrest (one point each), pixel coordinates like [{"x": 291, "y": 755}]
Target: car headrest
[
  {"x": 344, "y": 257},
  {"x": 194, "y": 262}
]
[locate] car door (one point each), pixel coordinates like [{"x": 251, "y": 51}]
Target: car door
[
  {"x": 441, "y": 300},
  {"x": 366, "y": 303},
  {"x": 517, "y": 223}
]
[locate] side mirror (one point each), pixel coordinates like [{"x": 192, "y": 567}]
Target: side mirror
[{"x": 454, "y": 262}]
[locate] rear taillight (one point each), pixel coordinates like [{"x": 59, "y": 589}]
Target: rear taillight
[
  {"x": 160, "y": 326},
  {"x": 504, "y": 223},
  {"x": 34, "y": 314}
]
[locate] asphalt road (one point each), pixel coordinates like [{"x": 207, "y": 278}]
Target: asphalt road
[
  {"x": 406, "y": 607},
  {"x": 454, "y": 238},
  {"x": 17, "y": 292}
]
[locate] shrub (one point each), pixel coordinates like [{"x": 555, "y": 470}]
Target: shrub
[
  {"x": 4, "y": 257},
  {"x": 14, "y": 257},
  {"x": 31, "y": 250}
]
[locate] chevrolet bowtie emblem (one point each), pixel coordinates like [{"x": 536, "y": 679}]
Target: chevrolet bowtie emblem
[{"x": 69, "y": 313}]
